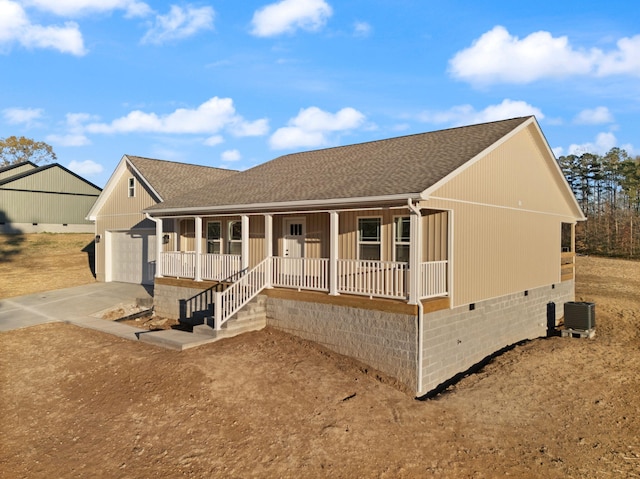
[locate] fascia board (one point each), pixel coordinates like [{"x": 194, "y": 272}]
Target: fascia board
[{"x": 334, "y": 202}]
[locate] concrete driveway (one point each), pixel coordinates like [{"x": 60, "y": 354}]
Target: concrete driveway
[{"x": 73, "y": 305}]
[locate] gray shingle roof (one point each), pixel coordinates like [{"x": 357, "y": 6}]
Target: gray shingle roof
[
  {"x": 171, "y": 179},
  {"x": 395, "y": 166}
]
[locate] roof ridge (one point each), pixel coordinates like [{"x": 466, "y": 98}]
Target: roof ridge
[
  {"x": 181, "y": 163},
  {"x": 460, "y": 127}
]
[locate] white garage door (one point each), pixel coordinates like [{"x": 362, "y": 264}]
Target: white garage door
[{"x": 133, "y": 256}]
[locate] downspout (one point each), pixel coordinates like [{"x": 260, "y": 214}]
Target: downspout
[{"x": 416, "y": 210}]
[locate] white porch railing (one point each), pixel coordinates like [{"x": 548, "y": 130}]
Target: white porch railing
[
  {"x": 218, "y": 267},
  {"x": 433, "y": 279},
  {"x": 179, "y": 264},
  {"x": 384, "y": 279},
  {"x": 231, "y": 300},
  {"x": 301, "y": 273}
]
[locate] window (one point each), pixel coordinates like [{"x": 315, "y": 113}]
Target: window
[
  {"x": 235, "y": 237},
  {"x": 566, "y": 237},
  {"x": 402, "y": 238},
  {"x": 369, "y": 239},
  {"x": 132, "y": 187},
  {"x": 295, "y": 229},
  {"x": 214, "y": 239}
]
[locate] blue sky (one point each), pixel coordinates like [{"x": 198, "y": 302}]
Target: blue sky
[{"x": 233, "y": 84}]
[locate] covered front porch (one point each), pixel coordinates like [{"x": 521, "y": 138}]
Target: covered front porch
[
  {"x": 398, "y": 253},
  {"x": 381, "y": 279}
]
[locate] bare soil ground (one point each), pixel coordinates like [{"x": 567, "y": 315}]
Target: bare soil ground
[{"x": 78, "y": 403}]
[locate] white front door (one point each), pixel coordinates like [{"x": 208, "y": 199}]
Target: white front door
[{"x": 294, "y": 234}]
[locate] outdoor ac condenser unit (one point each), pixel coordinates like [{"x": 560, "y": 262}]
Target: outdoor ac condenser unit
[{"x": 579, "y": 315}]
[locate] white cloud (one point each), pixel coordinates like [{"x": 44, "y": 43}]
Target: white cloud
[
  {"x": 287, "y": 16},
  {"x": 362, "y": 29},
  {"x": 466, "y": 114},
  {"x": 595, "y": 116},
  {"x": 77, "y": 120},
  {"x": 75, "y": 126},
  {"x": 557, "y": 151},
  {"x": 253, "y": 128},
  {"x": 72, "y": 8},
  {"x": 603, "y": 143},
  {"x": 231, "y": 155},
  {"x": 180, "y": 23},
  {"x": 211, "y": 117},
  {"x": 312, "y": 127},
  {"x": 214, "y": 140},
  {"x": 85, "y": 168},
  {"x": 68, "y": 140},
  {"x": 27, "y": 116},
  {"x": 499, "y": 57},
  {"x": 16, "y": 27},
  {"x": 624, "y": 60}
]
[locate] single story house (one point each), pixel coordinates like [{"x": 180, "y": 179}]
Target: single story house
[
  {"x": 125, "y": 238},
  {"x": 419, "y": 255},
  {"x": 49, "y": 198}
]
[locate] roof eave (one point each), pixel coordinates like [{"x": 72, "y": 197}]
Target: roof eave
[{"x": 284, "y": 205}]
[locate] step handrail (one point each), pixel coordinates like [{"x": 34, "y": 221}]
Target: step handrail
[{"x": 231, "y": 300}]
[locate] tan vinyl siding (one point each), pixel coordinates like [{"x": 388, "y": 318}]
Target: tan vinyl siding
[
  {"x": 499, "y": 252},
  {"x": 434, "y": 235},
  {"x": 517, "y": 174},
  {"x": 256, "y": 240},
  {"x": 120, "y": 203},
  {"x": 187, "y": 235},
  {"x": 507, "y": 214},
  {"x": 121, "y": 213}
]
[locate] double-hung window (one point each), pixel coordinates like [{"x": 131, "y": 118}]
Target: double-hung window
[
  {"x": 132, "y": 187},
  {"x": 214, "y": 238},
  {"x": 402, "y": 238},
  {"x": 235, "y": 237},
  {"x": 369, "y": 239}
]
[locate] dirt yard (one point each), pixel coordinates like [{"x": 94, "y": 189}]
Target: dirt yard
[{"x": 77, "y": 403}]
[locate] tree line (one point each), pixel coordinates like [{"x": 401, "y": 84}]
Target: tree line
[{"x": 607, "y": 188}]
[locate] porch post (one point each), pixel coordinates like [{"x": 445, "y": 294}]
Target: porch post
[
  {"x": 334, "y": 222},
  {"x": 245, "y": 243},
  {"x": 198, "y": 244},
  {"x": 268, "y": 246},
  {"x": 159, "y": 247},
  {"x": 415, "y": 254}
]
